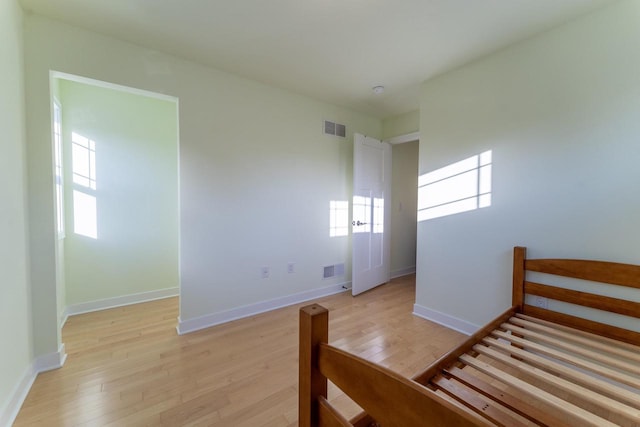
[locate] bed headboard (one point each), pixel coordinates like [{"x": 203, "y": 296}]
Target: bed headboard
[{"x": 626, "y": 275}]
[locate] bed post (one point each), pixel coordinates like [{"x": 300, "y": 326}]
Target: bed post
[
  {"x": 519, "y": 256},
  {"x": 314, "y": 329}
]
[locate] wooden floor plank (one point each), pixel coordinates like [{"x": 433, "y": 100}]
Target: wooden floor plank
[{"x": 127, "y": 366}]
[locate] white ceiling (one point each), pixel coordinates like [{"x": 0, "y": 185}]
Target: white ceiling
[{"x": 333, "y": 50}]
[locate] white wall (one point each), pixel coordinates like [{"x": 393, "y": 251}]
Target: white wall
[
  {"x": 256, "y": 173},
  {"x": 560, "y": 112},
  {"x": 15, "y": 306},
  {"x": 401, "y": 124},
  {"x": 61, "y": 293}
]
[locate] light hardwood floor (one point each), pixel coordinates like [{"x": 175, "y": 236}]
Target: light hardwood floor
[{"x": 127, "y": 366}]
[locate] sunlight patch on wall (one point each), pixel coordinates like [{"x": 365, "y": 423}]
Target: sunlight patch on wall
[
  {"x": 84, "y": 161},
  {"x": 84, "y": 214},
  {"x": 378, "y": 215},
  {"x": 338, "y": 218},
  {"x": 362, "y": 211},
  {"x": 458, "y": 187}
]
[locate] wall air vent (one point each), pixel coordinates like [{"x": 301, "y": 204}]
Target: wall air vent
[
  {"x": 335, "y": 129},
  {"x": 335, "y": 270}
]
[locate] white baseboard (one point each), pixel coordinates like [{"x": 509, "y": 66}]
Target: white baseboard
[
  {"x": 103, "y": 304},
  {"x": 202, "y": 322},
  {"x": 63, "y": 318},
  {"x": 48, "y": 362},
  {"x": 44, "y": 363},
  {"x": 403, "y": 272},
  {"x": 10, "y": 411},
  {"x": 450, "y": 322}
]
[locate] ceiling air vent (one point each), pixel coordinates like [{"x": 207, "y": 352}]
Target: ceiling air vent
[{"x": 335, "y": 129}]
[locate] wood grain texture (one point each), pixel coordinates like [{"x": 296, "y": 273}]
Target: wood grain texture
[
  {"x": 586, "y": 299},
  {"x": 598, "y": 328},
  {"x": 475, "y": 401},
  {"x": 598, "y": 271},
  {"x": 586, "y": 342},
  {"x": 607, "y": 388},
  {"x": 126, "y": 366},
  {"x": 573, "y": 389},
  {"x": 517, "y": 291},
  {"x": 595, "y": 337},
  {"x": 567, "y": 357},
  {"x": 585, "y": 417},
  {"x": 391, "y": 399},
  {"x": 314, "y": 330},
  {"x": 525, "y": 376},
  {"x": 511, "y": 401},
  {"x": 329, "y": 416},
  {"x": 450, "y": 357},
  {"x": 590, "y": 353}
]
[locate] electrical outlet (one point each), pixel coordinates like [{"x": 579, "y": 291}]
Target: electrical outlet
[
  {"x": 541, "y": 302},
  {"x": 265, "y": 272},
  {"x": 291, "y": 268}
]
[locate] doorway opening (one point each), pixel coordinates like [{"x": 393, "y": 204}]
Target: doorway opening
[
  {"x": 404, "y": 207},
  {"x": 384, "y": 220},
  {"x": 116, "y": 154}
]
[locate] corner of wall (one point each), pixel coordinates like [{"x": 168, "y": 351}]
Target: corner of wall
[
  {"x": 19, "y": 393},
  {"x": 401, "y": 125}
]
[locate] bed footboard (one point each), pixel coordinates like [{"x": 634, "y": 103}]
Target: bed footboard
[
  {"x": 387, "y": 397},
  {"x": 529, "y": 366}
]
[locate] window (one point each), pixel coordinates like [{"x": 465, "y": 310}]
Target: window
[
  {"x": 458, "y": 187},
  {"x": 338, "y": 218},
  {"x": 57, "y": 163},
  {"x": 85, "y": 219}
]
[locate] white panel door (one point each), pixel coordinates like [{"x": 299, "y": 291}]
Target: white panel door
[{"x": 371, "y": 248}]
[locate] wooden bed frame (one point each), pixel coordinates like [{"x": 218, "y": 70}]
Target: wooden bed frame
[{"x": 529, "y": 366}]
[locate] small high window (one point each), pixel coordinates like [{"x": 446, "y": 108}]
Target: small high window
[
  {"x": 57, "y": 160},
  {"x": 85, "y": 211}
]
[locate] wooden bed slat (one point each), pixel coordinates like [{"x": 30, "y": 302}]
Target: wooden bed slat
[
  {"x": 609, "y": 341},
  {"x": 584, "y": 324},
  {"x": 586, "y": 299},
  {"x": 568, "y": 358},
  {"x": 362, "y": 420},
  {"x": 604, "y": 402},
  {"x": 595, "y": 271},
  {"x": 471, "y": 399},
  {"x": 450, "y": 357},
  {"x": 512, "y": 402},
  {"x": 375, "y": 384},
  {"x": 554, "y": 332},
  {"x": 567, "y": 372},
  {"x": 602, "y": 358},
  {"x": 329, "y": 417},
  {"x": 578, "y": 413}
]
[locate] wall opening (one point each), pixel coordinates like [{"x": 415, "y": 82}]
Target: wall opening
[{"x": 118, "y": 176}]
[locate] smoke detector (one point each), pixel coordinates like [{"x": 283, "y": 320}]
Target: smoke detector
[{"x": 377, "y": 89}]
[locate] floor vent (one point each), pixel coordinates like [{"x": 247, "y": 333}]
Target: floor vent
[
  {"x": 333, "y": 271},
  {"x": 335, "y": 129}
]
